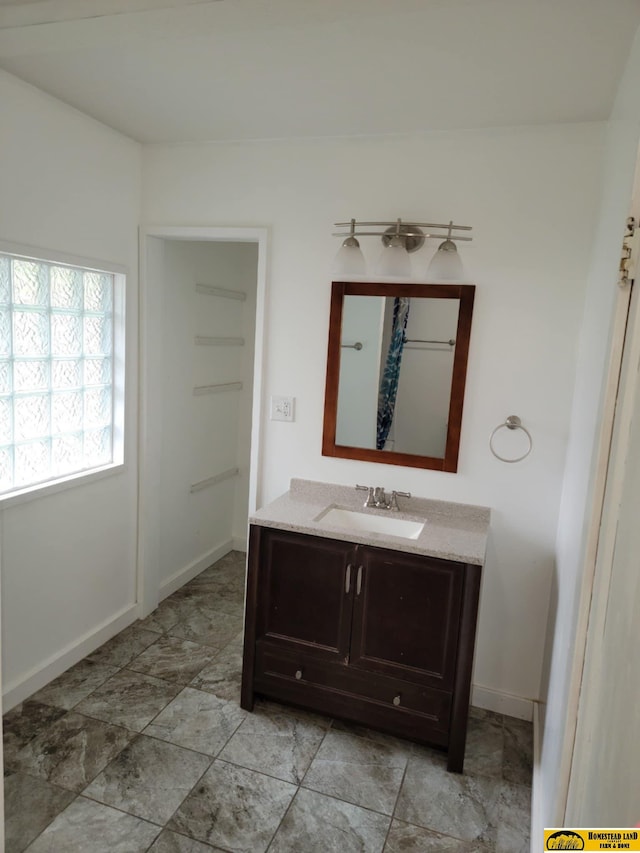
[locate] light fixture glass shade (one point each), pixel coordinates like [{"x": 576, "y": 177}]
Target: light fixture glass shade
[
  {"x": 394, "y": 260},
  {"x": 446, "y": 264},
  {"x": 349, "y": 260}
]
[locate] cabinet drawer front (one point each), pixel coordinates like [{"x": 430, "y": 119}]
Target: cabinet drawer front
[{"x": 397, "y": 696}]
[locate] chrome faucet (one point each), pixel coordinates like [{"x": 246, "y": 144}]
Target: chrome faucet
[
  {"x": 370, "y": 501},
  {"x": 380, "y": 498},
  {"x": 393, "y": 503},
  {"x": 376, "y": 497}
]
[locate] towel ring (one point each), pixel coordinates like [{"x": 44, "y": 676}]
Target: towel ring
[{"x": 512, "y": 422}]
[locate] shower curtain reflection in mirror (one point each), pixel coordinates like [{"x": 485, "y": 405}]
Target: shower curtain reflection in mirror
[{"x": 391, "y": 370}]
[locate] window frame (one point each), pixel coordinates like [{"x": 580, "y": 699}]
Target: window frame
[{"x": 119, "y": 359}]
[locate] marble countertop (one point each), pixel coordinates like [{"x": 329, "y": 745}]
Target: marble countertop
[{"x": 451, "y": 531}]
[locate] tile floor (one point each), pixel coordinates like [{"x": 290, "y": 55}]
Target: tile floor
[{"x": 142, "y": 746}]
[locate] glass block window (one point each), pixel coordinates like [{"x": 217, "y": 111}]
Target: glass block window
[{"x": 56, "y": 371}]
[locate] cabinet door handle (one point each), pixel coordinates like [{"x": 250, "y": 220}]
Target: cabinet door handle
[
  {"x": 299, "y": 674},
  {"x": 347, "y": 579},
  {"x": 396, "y": 700},
  {"x": 359, "y": 580}
]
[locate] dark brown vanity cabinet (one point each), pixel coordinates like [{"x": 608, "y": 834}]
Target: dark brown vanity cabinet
[{"x": 368, "y": 634}]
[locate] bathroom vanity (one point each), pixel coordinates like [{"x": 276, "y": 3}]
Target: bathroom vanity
[{"x": 369, "y": 626}]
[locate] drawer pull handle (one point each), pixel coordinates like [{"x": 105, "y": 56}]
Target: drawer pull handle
[
  {"x": 347, "y": 580},
  {"x": 359, "y": 581},
  {"x": 299, "y": 674},
  {"x": 396, "y": 700}
]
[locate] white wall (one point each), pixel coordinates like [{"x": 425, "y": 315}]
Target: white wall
[
  {"x": 531, "y": 195},
  {"x": 619, "y": 164},
  {"x": 68, "y": 560},
  {"x": 357, "y": 409},
  {"x": 424, "y": 390},
  {"x": 203, "y": 436}
]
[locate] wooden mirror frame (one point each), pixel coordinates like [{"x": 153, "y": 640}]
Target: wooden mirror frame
[{"x": 339, "y": 289}]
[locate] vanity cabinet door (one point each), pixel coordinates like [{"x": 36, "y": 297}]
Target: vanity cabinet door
[
  {"x": 406, "y": 618},
  {"x": 305, "y": 599}
]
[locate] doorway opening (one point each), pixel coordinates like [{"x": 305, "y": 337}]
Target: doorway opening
[{"x": 202, "y": 296}]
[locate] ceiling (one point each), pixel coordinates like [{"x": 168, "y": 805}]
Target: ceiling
[{"x": 172, "y": 71}]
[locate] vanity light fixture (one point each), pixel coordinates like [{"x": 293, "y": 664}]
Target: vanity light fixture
[
  {"x": 399, "y": 239},
  {"x": 446, "y": 264},
  {"x": 350, "y": 260}
]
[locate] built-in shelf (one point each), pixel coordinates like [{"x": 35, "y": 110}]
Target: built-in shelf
[
  {"x": 212, "y": 481},
  {"x": 215, "y": 341},
  {"x": 239, "y": 295},
  {"x": 216, "y": 389}
]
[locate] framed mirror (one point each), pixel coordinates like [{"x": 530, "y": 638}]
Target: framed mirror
[{"x": 396, "y": 372}]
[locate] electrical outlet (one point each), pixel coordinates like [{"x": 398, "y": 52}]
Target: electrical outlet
[{"x": 282, "y": 408}]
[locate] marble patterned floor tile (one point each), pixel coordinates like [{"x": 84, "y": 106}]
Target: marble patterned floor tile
[
  {"x": 72, "y": 751},
  {"x": 87, "y": 826},
  {"x": 514, "y": 819},
  {"x": 237, "y": 642},
  {"x": 228, "y": 574},
  {"x": 278, "y": 741},
  {"x": 165, "y": 616},
  {"x": 223, "y": 676},
  {"x": 460, "y": 805},
  {"x": 483, "y": 714},
  {"x": 375, "y": 736},
  {"x": 246, "y": 795},
  {"x": 204, "y": 584},
  {"x": 211, "y": 580},
  {"x": 234, "y": 808},
  {"x": 231, "y": 565},
  {"x": 29, "y": 806},
  {"x": 173, "y": 659},
  {"x": 188, "y": 598},
  {"x": 518, "y": 751},
  {"x": 129, "y": 699},
  {"x": 227, "y": 600},
  {"x": 208, "y": 626},
  {"x": 23, "y": 723},
  {"x": 171, "y": 842},
  {"x": 124, "y": 647},
  {"x": 358, "y": 770},
  {"x": 318, "y": 824},
  {"x": 198, "y": 721},
  {"x": 216, "y": 587},
  {"x": 406, "y": 838},
  {"x": 149, "y": 779},
  {"x": 75, "y": 684},
  {"x": 484, "y": 750}
]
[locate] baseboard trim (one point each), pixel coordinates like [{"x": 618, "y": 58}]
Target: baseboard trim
[
  {"x": 190, "y": 571},
  {"x": 502, "y": 703},
  {"x": 21, "y": 688},
  {"x": 537, "y": 820},
  {"x": 240, "y": 543}
]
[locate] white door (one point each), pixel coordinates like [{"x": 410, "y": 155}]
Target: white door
[{"x": 605, "y": 774}]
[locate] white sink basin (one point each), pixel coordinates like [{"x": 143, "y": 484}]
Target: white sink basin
[{"x": 362, "y": 521}]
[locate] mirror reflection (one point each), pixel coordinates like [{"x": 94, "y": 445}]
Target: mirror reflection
[
  {"x": 396, "y": 367},
  {"x": 396, "y": 372}
]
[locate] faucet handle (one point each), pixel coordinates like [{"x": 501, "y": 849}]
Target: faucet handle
[
  {"x": 393, "y": 503},
  {"x": 370, "y": 501}
]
